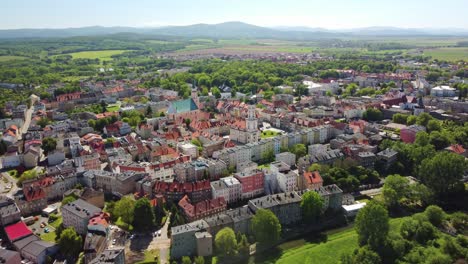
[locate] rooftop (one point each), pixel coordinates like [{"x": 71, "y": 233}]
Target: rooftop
[
  {"x": 17, "y": 231},
  {"x": 81, "y": 208}
]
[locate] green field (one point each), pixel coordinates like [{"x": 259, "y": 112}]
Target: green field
[
  {"x": 337, "y": 242},
  {"x": 103, "y": 55},
  {"x": 449, "y": 54},
  {"x": 268, "y": 134},
  {"x": 10, "y": 58}
]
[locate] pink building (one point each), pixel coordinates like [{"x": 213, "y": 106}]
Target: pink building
[
  {"x": 252, "y": 183},
  {"x": 408, "y": 135}
]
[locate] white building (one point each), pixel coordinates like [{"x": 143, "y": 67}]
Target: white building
[
  {"x": 443, "y": 91},
  {"x": 287, "y": 182},
  {"x": 77, "y": 214},
  {"x": 229, "y": 187},
  {"x": 188, "y": 149}
]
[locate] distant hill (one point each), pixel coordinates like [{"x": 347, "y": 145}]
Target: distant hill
[{"x": 227, "y": 30}]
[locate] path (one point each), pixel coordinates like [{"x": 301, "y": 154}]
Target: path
[
  {"x": 162, "y": 243},
  {"x": 12, "y": 181}
]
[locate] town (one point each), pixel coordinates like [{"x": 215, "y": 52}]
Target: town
[{"x": 223, "y": 155}]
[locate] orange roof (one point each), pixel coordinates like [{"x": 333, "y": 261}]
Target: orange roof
[{"x": 313, "y": 177}]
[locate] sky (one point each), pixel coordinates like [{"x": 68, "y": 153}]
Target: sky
[{"x": 330, "y": 14}]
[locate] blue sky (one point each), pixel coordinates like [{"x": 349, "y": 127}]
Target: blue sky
[{"x": 332, "y": 14}]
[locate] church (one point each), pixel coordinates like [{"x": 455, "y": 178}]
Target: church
[{"x": 246, "y": 131}]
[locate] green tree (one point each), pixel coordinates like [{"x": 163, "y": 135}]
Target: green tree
[
  {"x": 216, "y": 92},
  {"x": 395, "y": 188},
  {"x": 366, "y": 256},
  {"x": 400, "y": 118},
  {"x": 27, "y": 175},
  {"x": 312, "y": 206},
  {"x": 225, "y": 242},
  {"x": 266, "y": 227},
  {"x": 435, "y": 215},
  {"x": 124, "y": 209},
  {"x": 143, "y": 215},
  {"x": 186, "y": 260},
  {"x": 49, "y": 144},
  {"x": 411, "y": 120},
  {"x": 43, "y": 122},
  {"x": 442, "y": 171},
  {"x": 68, "y": 199},
  {"x": 422, "y": 138},
  {"x": 372, "y": 225},
  {"x": 243, "y": 244},
  {"x": 433, "y": 125},
  {"x": 373, "y": 114},
  {"x": 70, "y": 243},
  {"x": 103, "y": 106},
  {"x": 299, "y": 150},
  {"x": 149, "y": 111},
  {"x": 440, "y": 140},
  {"x": 423, "y": 119},
  {"x": 199, "y": 260}
]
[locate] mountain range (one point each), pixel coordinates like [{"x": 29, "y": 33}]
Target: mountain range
[{"x": 230, "y": 30}]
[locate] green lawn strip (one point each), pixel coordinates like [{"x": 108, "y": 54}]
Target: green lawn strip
[
  {"x": 344, "y": 241},
  {"x": 151, "y": 256},
  {"x": 50, "y": 237},
  {"x": 57, "y": 222}
]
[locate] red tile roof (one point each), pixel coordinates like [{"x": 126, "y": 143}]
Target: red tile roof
[
  {"x": 17, "y": 231},
  {"x": 313, "y": 177}
]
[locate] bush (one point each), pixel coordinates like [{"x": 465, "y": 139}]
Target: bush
[{"x": 435, "y": 215}]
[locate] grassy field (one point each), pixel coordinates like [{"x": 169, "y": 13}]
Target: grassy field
[
  {"x": 268, "y": 134},
  {"x": 103, "y": 55},
  {"x": 337, "y": 242},
  {"x": 10, "y": 58},
  {"x": 151, "y": 256},
  {"x": 50, "y": 237},
  {"x": 449, "y": 54}
]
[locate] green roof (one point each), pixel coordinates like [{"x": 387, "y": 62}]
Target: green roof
[{"x": 182, "y": 106}]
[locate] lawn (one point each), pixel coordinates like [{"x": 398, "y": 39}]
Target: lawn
[
  {"x": 103, "y": 55},
  {"x": 50, "y": 237},
  {"x": 13, "y": 173},
  {"x": 113, "y": 107},
  {"x": 268, "y": 134},
  {"x": 337, "y": 242},
  {"x": 449, "y": 54},
  {"x": 57, "y": 222},
  {"x": 10, "y": 58},
  {"x": 151, "y": 256}
]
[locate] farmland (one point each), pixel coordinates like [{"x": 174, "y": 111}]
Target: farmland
[
  {"x": 103, "y": 55},
  {"x": 449, "y": 54}
]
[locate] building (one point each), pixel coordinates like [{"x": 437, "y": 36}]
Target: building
[
  {"x": 9, "y": 257},
  {"x": 77, "y": 215},
  {"x": 183, "y": 240},
  {"x": 312, "y": 180},
  {"x": 17, "y": 231},
  {"x": 286, "y": 157},
  {"x": 352, "y": 209},
  {"x": 241, "y": 218},
  {"x": 9, "y": 212},
  {"x": 204, "y": 241},
  {"x": 38, "y": 251},
  {"x": 443, "y": 91},
  {"x": 408, "y": 134},
  {"x": 201, "y": 209},
  {"x": 246, "y": 132},
  {"x": 286, "y": 206},
  {"x": 252, "y": 183},
  {"x": 229, "y": 188},
  {"x": 188, "y": 149},
  {"x": 111, "y": 256},
  {"x": 174, "y": 191},
  {"x": 388, "y": 157},
  {"x": 31, "y": 157},
  {"x": 332, "y": 196},
  {"x": 366, "y": 159}
]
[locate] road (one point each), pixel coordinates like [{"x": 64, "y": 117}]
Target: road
[
  {"x": 162, "y": 243},
  {"x": 27, "y": 120},
  {"x": 12, "y": 181}
]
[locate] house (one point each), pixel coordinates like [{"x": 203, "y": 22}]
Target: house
[
  {"x": 388, "y": 157},
  {"x": 286, "y": 157},
  {"x": 9, "y": 257},
  {"x": 94, "y": 244},
  {"x": 110, "y": 256},
  {"x": 312, "y": 180},
  {"x": 31, "y": 157},
  {"x": 55, "y": 157},
  {"x": 117, "y": 129},
  {"x": 204, "y": 241},
  {"x": 38, "y": 251},
  {"x": 201, "y": 209},
  {"x": 229, "y": 188},
  {"x": 252, "y": 183},
  {"x": 188, "y": 149},
  {"x": 9, "y": 212},
  {"x": 332, "y": 196},
  {"x": 457, "y": 149},
  {"x": 183, "y": 240},
  {"x": 286, "y": 206},
  {"x": 443, "y": 91},
  {"x": 408, "y": 134},
  {"x": 77, "y": 214}
]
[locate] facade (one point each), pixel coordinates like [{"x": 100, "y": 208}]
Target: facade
[
  {"x": 9, "y": 256},
  {"x": 9, "y": 212},
  {"x": 229, "y": 188},
  {"x": 286, "y": 157},
  {"x": 312, "y": 180},
  {"x": 77, "y": 214},
  {"x": 248, "y": 132},
  {"x": 204, "y": 241},
  {"x": 183, "y": 241},
  {"x": 332, "y": 196},
  {"x": 286, "y": 206},
  {"x": 201, "y": 209},
  {"x": 408, "y": 134},
  {"x": 252, "y": 183},
  {"x": 388, "y": 157}
]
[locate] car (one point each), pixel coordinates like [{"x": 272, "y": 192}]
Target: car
[
  {"x": 42, "y": 225},
  {"x": 46, "y": 230},
  {"x": 114, "y": 242}
]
